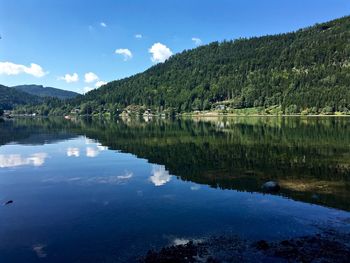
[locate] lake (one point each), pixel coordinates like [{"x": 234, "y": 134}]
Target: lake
[{"x": 108, "y": 191}]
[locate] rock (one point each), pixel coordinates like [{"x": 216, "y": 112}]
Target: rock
[
  {"x": 262, "y": 245},
  {"x": 271, "y": 186},
  {"x": 285, "y": 243}
]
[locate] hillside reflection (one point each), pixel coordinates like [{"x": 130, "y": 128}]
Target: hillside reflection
[{"x": 309, "y": 157}]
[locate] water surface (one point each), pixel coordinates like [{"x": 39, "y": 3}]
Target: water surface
[{"x": 108, "y": 191}]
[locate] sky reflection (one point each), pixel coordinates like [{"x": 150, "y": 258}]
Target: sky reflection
[
  {"x": 160, "y": 176},
  {"x": 73, "y": 152},
  {"x": 77, "y": 193},
  {"x": 13, "y": 160}
]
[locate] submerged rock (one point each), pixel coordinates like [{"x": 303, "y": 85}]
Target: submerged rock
[
  {"x": 262, "y": 245},
  {"x": 271, "y": 186},
  {"x": 8, "y": 202}
]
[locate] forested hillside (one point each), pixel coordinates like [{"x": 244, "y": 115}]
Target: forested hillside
[
  {"x": 307, "y": 70},
  {"x": 10, "y": 98},
  {"x": 33, "y": 96},
  {"x": 42, "y": 91}
]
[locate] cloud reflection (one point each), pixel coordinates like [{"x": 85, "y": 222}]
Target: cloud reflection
[
  {"x": 113, "y": 179},
  {"x": 195, "y": 187},
  {"x": 13, "y": 160},
  {"x": 39, "y": 250},
  {"x": 127, "y": 176},
  {"x": 73, "y": 152},
  {"x": 91, "y": 152},
  {"x": 99, "y": 146},
  {"x": 94, "y": 151},
  {"x": 102, "y": 148},
  {"x": 120, "y": 179},
  {"x": 160, "y": 176}
]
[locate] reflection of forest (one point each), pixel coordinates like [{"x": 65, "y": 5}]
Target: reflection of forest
[
  {"x": 33, "y": 131},
  {"x": 310, "y": 157}
]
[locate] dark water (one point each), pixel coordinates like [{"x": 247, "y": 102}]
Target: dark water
[{"x": 108, "y": 191}]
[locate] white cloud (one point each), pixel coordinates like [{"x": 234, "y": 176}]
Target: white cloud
[
  {"x": 73, "y": 152},
  {"x": 126, "y": 53},
  {"x": 103, "y": 24},
  {"x": 87, "y": 89},
  {"x": 100, "y": 83},
  {"x": 160, "y": 176},
  {"x": 9, "y": 68},
  {"x": 139, "y": 36},
  {"x": 197, "y": 41},
  {"x": 13, "y": 160},
  {"x": 159, "y": 52},
  {"x": 90, "y": 77},
  {"x": 70, "y": 78}
]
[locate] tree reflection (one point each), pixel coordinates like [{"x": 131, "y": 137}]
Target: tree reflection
[{"x": 310, "y": 157}]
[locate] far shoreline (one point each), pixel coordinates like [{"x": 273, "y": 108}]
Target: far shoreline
[
  {"x": 262, "y": 115},
  {"x": 186, "y": 115}
]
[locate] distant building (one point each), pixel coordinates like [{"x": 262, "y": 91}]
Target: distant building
[
  {"x": 220, "y": 107},
  {"x": 147, "y": 112},
  {"x": 75, "y": 111}
]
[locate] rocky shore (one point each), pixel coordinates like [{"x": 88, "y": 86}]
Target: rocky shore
[{"x": 326, "y": 246}]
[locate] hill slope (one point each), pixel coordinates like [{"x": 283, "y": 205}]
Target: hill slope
[
  {"x": 304, "y": 69},
  {"x": 10, "y": 98},
  {"x": 307, "y": 70},
  {"x": 41, "y": 91}
]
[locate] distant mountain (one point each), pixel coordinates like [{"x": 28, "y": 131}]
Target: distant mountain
[
  {"x": 10, "y": 98},
  {"x": 42, "y": 91}
]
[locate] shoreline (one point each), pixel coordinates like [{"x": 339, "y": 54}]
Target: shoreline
[
  {"x": 326, "y": 245},
  {"x": 181, "y": 115},
  {"x": 259, "y": 115}
]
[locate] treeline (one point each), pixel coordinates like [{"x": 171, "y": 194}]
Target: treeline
[{"x": 304, "y": 71}]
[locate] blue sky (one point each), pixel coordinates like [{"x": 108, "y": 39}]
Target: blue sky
[{"x": 46, "y": 42}]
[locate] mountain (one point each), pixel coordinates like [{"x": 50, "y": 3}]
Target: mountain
[
  {"x": 42, "y": 91},
  {"x": 29, "y": 95},
  {"x": 10, "y": 98},
  {"x": 305, "y": 71}
]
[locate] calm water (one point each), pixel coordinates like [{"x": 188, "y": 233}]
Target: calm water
[{"x": 98, "y": 191}]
